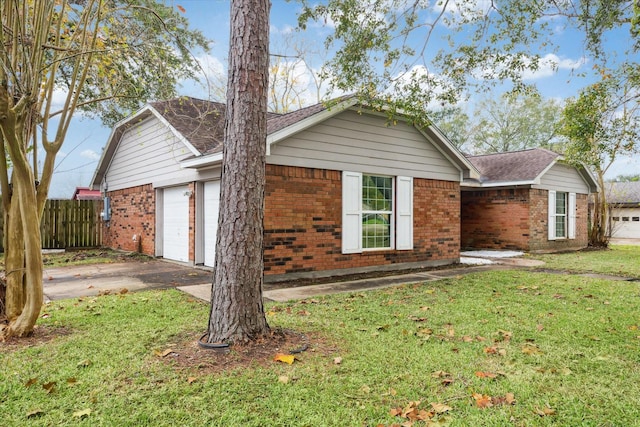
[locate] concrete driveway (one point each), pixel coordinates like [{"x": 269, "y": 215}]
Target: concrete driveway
[{"x": 92, "y": 279}]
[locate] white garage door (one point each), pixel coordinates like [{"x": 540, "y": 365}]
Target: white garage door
[
  {"x": 625, "y": 223},
  {"x": 175, "y": 243},
  {"x": 211, "y": 208}
]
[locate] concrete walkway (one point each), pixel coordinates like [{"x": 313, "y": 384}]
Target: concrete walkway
[{"x": 94, "y": 279}]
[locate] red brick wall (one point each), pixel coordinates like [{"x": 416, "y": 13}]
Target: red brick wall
[
  {"x": 495, "y": 219},
  {"x": 132, "y": 212},
  {"x": 303, "y": 216},
  {"x": 515, "y": 219},
  {"x": 539, "y": 231}
]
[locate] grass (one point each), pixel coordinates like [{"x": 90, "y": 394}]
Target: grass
[
  {"x": 562, "y": 344},
  {"x": 618, "y": 260}
]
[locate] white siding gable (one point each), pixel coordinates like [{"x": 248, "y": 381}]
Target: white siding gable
[
  {"x": 148, "y": 153},
  {"x": 563, "y": 178},
  {"x": 364, "y": 142}
]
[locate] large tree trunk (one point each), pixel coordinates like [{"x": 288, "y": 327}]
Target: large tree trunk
[
  {"x": 237, "y": 313},
  {"x": 598, "y": 234}
]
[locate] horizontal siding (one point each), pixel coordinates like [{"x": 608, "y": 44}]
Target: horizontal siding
[
  {"x": 146, "y": 154},
  {"x": 563, "y": 178},
  {"x": 363, "y": 143}
]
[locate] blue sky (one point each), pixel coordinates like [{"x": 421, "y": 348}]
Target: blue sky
[{"x": 86, "y": 139}]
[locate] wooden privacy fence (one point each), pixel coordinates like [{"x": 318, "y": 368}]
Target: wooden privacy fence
[{"x": 69, "y": 224}]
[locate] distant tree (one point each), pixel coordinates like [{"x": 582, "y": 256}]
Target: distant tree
[
  {"x": 627, "y": 178},
  {"x": 455, "y": 124},
  {"x": 602, "y": 123},
  {"x": 102, "y": 57},
  {"x": 514, "y": 121}
]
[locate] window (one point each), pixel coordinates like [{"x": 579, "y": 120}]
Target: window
[
  {"x": 562, "y": 215},
  {"x": 625, "y": 218},
  {"x": 377, "y": 212},
  {"x": 635, "y": 218},
  {"x": 616, "y": 218}
]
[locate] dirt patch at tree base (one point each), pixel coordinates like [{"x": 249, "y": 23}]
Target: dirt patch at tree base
[{"x": 186, "y": 354}]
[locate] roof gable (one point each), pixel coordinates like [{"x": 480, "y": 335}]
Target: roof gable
[{"x": 517, "y": 166}]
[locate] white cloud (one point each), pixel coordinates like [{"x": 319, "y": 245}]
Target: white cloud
[
  {"x": 90, "y": 154},
  {"x": 550, "y": 64}
]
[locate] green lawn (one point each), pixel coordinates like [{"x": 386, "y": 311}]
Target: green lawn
[
  {"x": 617, "y": 260},
  {"x": 565, "y": 348}
]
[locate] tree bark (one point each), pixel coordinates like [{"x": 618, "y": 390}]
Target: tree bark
[{"x": 237, "y": 312}]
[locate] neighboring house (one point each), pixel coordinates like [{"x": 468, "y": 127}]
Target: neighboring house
[
  {"x": 623, "y": 199},
  {"x": 85, "y": 193},
  {"x": 526, "y": 200},
  {"x": 346, "y": 191}
]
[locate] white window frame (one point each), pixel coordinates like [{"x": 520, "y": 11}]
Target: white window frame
[
  {"x": 570, "y": 216},
  {"x": 401, "y": 217}
]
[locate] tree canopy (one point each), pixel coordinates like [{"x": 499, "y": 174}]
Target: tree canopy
[{"x": 411, "y": 54}]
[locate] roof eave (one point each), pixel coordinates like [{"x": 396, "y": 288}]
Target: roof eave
[{"x": 202, "y": 161}]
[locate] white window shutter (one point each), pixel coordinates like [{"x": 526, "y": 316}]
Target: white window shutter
[
  {"x": 572, "y": 216},
  {"x": 351, "y": 212},
  {"x": 404, "y": 213},
  {"x": 552, "y": 215}
]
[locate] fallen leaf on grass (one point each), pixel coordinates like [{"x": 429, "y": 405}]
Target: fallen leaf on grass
[
  {"x": 82, "y": 414},
  {"x": 283, "y": 379},
  {"x": 337, "y": 360},
  {"x": 50, "y": 387},
  {"x": 35, "y": 413},
  {"x": 486, "y": 401},
  {"x": 72, "y": 381},
  {"x": 31, "y": 382},
  {"x": 412, "y": 413},
  {"x": 164, "y": 353},
  {"x": 531, "y": 349},
  {"x": 481, "y": 374},
  {"x": 482, "y": 400},
  {"x": 440, "y": 408},
  {"x": 84, "y": 363},
  {"x": 495, "y": 350},
  {"x": 285, "y": 358},
  {"x": 546, "y": 411},
  {"x": 191, "y": 380}
]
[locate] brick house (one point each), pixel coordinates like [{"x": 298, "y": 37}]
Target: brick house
[
  {"x": 346, "y": 191},
  {"x": 528, "y": 200}
]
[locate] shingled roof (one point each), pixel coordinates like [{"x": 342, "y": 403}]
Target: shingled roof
[
  {"x": 202, "y": 122},
  {"x": 623, "y": 193},
  {"x": 512, "y": 167}
]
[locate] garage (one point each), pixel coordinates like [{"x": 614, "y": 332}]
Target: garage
[
  {"x": 625, "y": 223},
  {"x": 175, "y": 230},
  {"x": 211, "y": 208}
]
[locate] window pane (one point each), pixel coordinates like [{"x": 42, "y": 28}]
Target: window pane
[
  {"x": 561, "y": 203},
  {"x": 560, "y": 226},
  {"x": 377, "y": 193},
  {"x": 376, "y": 231}
]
